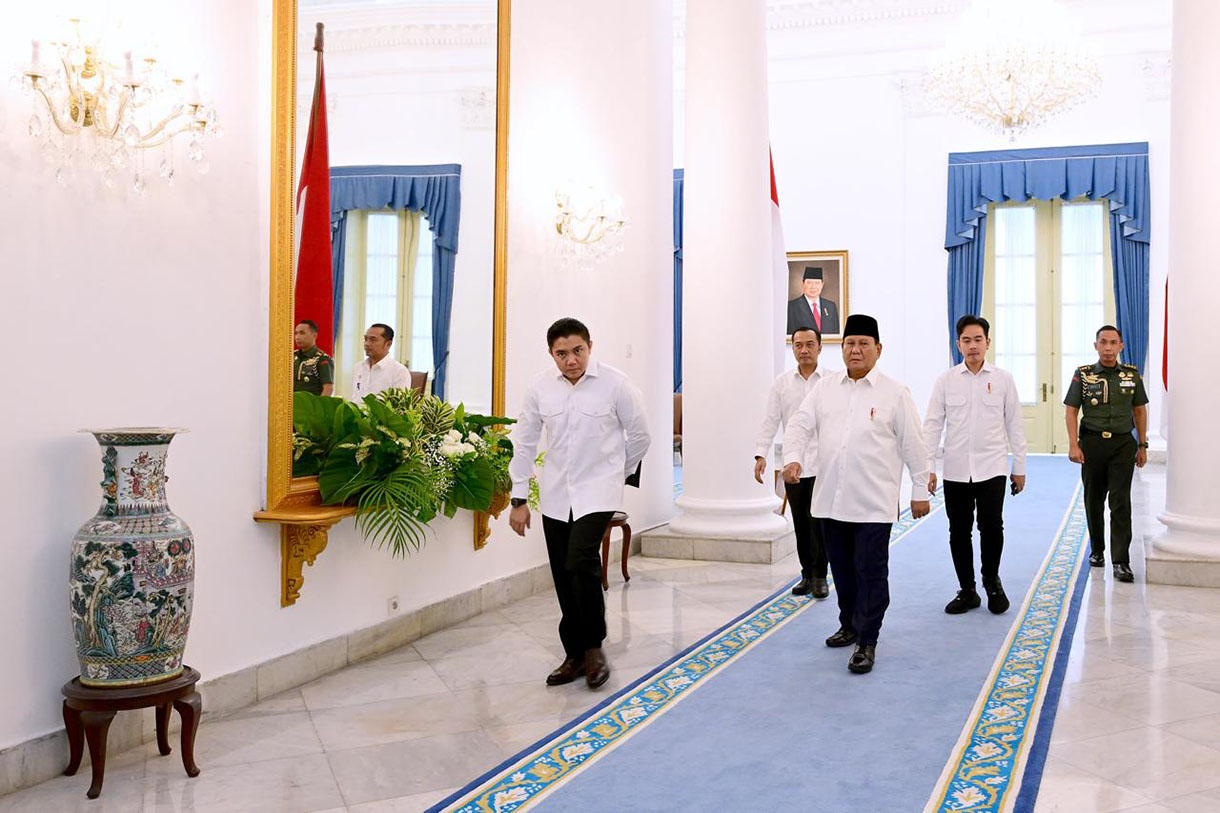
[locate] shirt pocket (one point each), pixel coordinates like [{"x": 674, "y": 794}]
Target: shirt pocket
[
  {"x": 992, "y": 400},
  {"x": 956, "y": 404},
  {"x": 551, "y": 408}
]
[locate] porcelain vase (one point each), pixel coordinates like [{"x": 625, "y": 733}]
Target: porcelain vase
[{"x": 132, "y": 574}]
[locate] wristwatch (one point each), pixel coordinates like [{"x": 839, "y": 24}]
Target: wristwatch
[
  {"x": 516, "y": 502},
  {"x": 1143, "y": 445}
]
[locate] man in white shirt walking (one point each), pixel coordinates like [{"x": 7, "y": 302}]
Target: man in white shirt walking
[
  {"x": 379, "y": 371},
  {"x": 866, "y": 427},
  {"x": 975, "y": 406},
  {"x": 596, "y": 436},
  {"x": 789, "y": 389}
]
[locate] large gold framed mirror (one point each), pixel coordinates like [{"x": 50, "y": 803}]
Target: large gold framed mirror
[{"x": 409, "y": 82}]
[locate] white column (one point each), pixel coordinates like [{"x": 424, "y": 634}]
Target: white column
[
  {"x": 728, "y": 343},
  {"x": 1189, "y": 551}
]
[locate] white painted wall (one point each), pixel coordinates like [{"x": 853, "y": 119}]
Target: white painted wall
[{"x": 861, "y": 163}]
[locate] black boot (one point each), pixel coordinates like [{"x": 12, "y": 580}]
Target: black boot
[
  {"x": 862, "y": 659},
  {"x": 963, "y": 601},
  {"x": 997, "y": 601},
  {"x": 820, "y": 588},
  {"x": 803, "y": 588},
  {"x": 844, "y": 637}
]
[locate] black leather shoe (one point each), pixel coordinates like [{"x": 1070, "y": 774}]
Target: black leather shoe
[
  {"x": 844, "y": 637},
  {"x": 1123, "y": 573},
  {"x": 963, "y": 601},
  {"x": 820, "y": 588},
  {"x": 997, "y": 601},
  {"x": 568, "y": 671},
  {"x": 862, "y": 659},
  {"x": 803, "y": 588},
  {"x": 1097, "y": 559},
  {"x": 597, "y": 671}
]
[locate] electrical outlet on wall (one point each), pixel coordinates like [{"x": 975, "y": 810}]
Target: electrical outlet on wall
[{"x": 391, "y": 605}]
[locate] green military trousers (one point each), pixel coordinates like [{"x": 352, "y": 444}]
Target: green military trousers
[{"x": 1109, "y": 464}]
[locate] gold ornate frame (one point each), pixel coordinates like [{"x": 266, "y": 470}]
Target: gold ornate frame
[
  {"x": 841, "y": 258},
  {"x": 295, "y": 503}
]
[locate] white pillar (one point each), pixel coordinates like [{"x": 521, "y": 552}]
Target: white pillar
[
  {"x": 729, "y": 340},
  {"x": 1189, "y": 551}
]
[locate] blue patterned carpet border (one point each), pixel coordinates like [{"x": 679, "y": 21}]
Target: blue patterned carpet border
[
  {"x": 523, "y": 779},
  {"x": 993, "y": 757}
]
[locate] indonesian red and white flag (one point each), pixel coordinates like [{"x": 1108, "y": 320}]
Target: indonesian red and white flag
[
  {"x": 779, "y": 259},
  {"x": 314, "y": 295},
  {"x": 1165, "y": 369}
]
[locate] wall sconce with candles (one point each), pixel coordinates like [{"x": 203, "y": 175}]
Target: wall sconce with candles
[
  {"x": 589, "y": 226},
  {"x": 110, "y": 115}
]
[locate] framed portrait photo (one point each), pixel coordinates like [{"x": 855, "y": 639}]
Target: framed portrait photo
[{"x": 817, "y": 293}]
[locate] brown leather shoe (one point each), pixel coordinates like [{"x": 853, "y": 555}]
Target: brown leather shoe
[
  {"x": 597, "y": 671},
  {"x": 566, "y": 672}
]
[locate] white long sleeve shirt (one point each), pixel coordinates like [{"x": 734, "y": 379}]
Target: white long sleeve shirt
[
  {"x": 979, "y": 415},
  {"x": 596, "y": 434},
  {"x": 787, "y": 392},
  {"x": 389, "y": 373},
  {"x": 865, "y": 431}
]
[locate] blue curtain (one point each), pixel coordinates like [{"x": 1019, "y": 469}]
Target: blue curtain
[
  {"x": 678, "y": 179},
  {"x": 434, "y": 190},
  {"x": 1115, "y": 172}
]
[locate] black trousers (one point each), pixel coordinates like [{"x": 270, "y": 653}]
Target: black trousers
[
  {"x": 962, "y": 501},
  {"x": 1109, "y": 464},
  {"x": 810, "y": 548},
  {"x": 860, "y": 561},
  {"x": 574, "y": 548}
]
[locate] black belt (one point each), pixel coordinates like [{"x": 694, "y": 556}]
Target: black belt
[{"x": 1084, "y": 430}]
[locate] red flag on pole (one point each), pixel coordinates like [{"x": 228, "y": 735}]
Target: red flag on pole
[
  {"x": 779, "y": 264},
  {"x": 314, "y": 290}
]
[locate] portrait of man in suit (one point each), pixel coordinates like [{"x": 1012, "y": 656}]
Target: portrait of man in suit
[{"x": 811, "y": 308}]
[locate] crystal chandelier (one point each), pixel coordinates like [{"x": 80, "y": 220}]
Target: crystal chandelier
[
  {"x": 1012, "y": 65},
  {"x": 115, "y": 117},
  {"x": 589, "y": 227}
]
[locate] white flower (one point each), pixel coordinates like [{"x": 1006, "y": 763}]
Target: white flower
[
  {"x": 968, "y": 797},
  {"x": 985, "y": 750},
  {"x": 507, "y": 798},
  {"x": 574, "y": 751}
]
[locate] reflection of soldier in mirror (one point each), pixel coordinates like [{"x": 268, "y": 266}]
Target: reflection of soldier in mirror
[
  {"x": 312, "y": 370},
  {"x": 379, "y": 371}
]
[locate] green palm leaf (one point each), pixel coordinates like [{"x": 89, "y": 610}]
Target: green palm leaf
[{"x": 388, "y": 510}]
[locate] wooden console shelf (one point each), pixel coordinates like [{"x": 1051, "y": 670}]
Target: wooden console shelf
[{"x": 303, "y": 531}]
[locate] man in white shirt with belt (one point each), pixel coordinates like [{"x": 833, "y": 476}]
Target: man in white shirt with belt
[
  {"x": 866, "y": 427},
  {"x": 789, "y": 389},
  {"x": 975, "y": 406},
  {"x": 379, "y": 371},
  {"x": 597, "y": 435}
]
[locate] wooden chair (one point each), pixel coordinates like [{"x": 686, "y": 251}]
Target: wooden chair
[
  {"x": 619, "y": 520},
  {"x": 419, "y": 382},
  {"x": 678, "y": 424}
]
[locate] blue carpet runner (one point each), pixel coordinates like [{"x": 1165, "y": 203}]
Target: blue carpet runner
[{"x": 950, "y": 720}]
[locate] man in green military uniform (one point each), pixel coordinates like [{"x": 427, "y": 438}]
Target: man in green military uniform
[
  {"x": 312, "y": 370},
  {"x": 1114, "y": 402}
]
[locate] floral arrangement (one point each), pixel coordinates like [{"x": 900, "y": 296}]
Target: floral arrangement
[{"x": 401, "y": 458}]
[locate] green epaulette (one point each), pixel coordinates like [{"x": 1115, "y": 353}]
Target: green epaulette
[
  {"x": 1130, "y": 367},
  {"x": 1084, "y": 368}
]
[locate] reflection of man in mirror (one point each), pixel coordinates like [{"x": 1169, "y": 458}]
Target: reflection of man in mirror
[
  {"x": 312, "y": 370},
  {"x": 811, "y": 309},
  {"x": 379, "y": 370}
]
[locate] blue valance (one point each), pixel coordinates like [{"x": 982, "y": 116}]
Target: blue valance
[
  {"x": 678, "y": 182},
  {"x": 1116, "y": 172},
  {"x": 436, "y": 191}
]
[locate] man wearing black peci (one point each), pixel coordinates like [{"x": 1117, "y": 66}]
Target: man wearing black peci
[{"x": 811, "y": 309}]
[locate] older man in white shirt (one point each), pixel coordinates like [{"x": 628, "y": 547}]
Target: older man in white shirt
[
  {"x": 974, "y": 405},
  {"x": 787, "y": 393},
  {"x": 866, "y": 427},
  {"x": 597, "y": 435},
  {"x": 379, "y": 370}
]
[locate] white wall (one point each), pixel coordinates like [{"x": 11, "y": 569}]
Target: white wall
[{"x": 861, "y": 163}]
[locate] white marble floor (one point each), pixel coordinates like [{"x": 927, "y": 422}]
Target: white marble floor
[{"x": 1138, "y": 726}]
